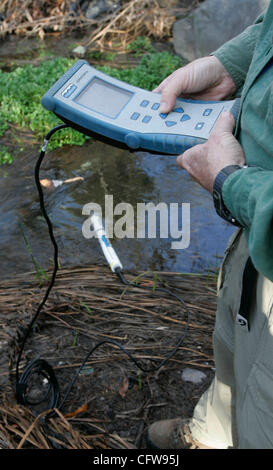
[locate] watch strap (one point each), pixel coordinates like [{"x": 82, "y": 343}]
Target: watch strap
[{"x": 219, "y": 205}]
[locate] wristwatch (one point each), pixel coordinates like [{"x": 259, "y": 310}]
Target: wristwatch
[{"x": 219, "y": 205}]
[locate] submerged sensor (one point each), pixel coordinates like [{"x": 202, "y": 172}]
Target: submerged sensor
[
  {"x": 126, "y": 116},
  {"x": 106, "y": 246}
]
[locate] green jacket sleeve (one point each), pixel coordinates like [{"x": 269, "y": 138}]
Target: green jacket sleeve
[
  {"x": 236, "y": 54},
  {"x": 253, "y": 187}
]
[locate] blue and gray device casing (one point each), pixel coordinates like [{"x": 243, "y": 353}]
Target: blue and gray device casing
[
  {"x": 106, "y": 129},
  {"x": 48, "y": 100}
]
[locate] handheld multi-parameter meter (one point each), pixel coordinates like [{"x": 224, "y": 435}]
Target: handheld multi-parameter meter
[{"x": 108, "y": 109}]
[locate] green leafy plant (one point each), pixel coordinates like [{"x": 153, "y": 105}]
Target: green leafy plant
[
  {"x": 5, "y": 157},
  {"x": 140, "y": 45},
  {"x": 97, "y": 55},
  {"x": 20, "y": 95}
]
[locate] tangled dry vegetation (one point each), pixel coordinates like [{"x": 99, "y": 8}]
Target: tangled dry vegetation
[
  {"x": 112, "y": 29},
  {"x": 106, "y": 408}
]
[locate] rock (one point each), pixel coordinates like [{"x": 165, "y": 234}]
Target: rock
[
  {"x": 212, "y": 24},
  {"x": 193, "y": 375},
  {"x": 96, "y": 7},
  {"x": 79, "y": 51}
]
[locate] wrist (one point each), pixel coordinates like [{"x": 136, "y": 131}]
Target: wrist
[{"x": 219, "y": 204}]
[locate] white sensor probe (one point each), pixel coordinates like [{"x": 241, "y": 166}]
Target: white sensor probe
[{"x": 105, "y": 244}]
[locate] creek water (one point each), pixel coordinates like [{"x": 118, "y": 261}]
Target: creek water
[{"x": 128, "y": 177}]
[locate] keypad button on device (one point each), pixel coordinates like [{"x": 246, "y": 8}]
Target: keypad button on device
[
  {"x": 199, "y": 126},
  {"x": 144, "y": 103},
  {"x": 178, "y": 110},
  {"x": 163, "y": 115},
  {"x": 184, "y": 118},
  {"x": 207, "y": 112},
  {"x": 155, "y": 106},
  {"x": 68, "y": 92},
  {"x": 135, "y": 116},
  {"x": 170, "y": 123},
  {"x": 146, "y": 119}
]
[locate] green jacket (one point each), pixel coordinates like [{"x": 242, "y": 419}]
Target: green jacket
[{"x": 248, "y": 193}]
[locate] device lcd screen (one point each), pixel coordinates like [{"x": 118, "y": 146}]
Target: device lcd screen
[{"x": 104, "y": 98}]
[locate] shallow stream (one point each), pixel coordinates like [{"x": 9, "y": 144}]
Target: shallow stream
[
  {"x": 132, "y": 178},
  {"x": 104, "y": 170}
]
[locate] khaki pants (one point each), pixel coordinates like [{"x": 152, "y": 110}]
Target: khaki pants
[{"x": 237, "y": 409}]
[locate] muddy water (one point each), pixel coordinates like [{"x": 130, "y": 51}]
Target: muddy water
[{"x": 129, "y": 177}]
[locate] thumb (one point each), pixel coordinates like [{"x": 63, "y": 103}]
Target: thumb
[
  {"x": 168, "y": 99},
  {"x": 225, "y": 123},
  {"x": 170, "y": 89},
  {"x": 191, "y": 157}
]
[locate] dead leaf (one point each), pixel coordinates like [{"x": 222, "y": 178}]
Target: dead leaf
[
  {"x": 79, "y": 410},
  {"x": 147, "y": 283},
  {"x": 124, "y": 387},
  {"x": 41, "y": 34},
  {"x": 46, "y": 183}
]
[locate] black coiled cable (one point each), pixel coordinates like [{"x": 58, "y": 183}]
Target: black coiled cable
[{"x": 41, "y": 367}]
